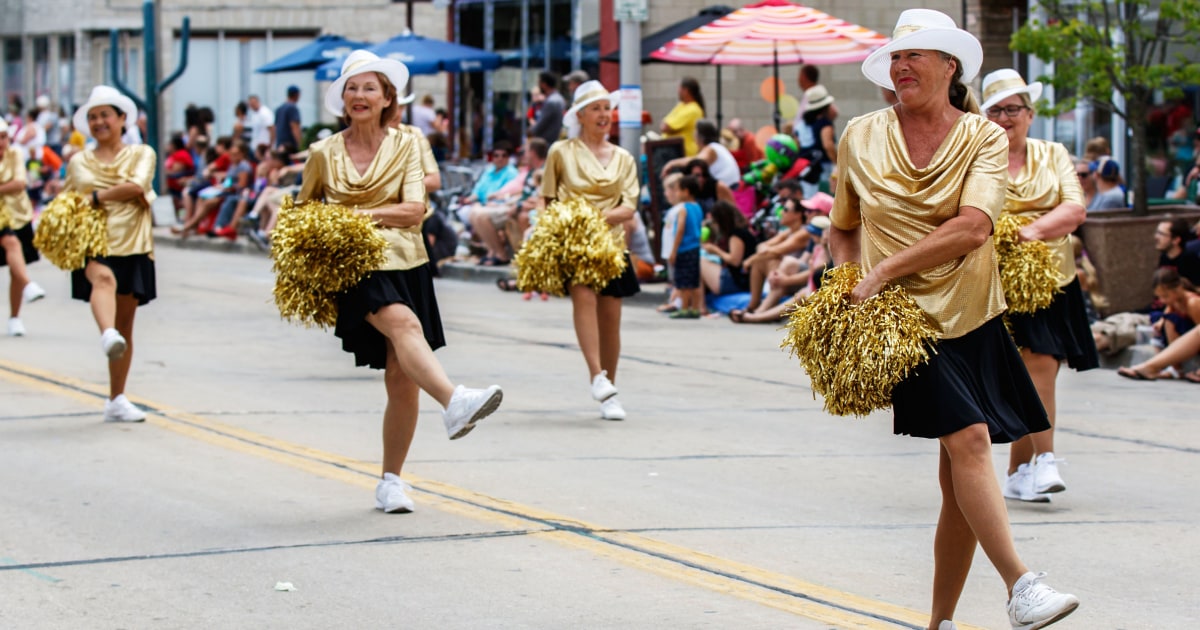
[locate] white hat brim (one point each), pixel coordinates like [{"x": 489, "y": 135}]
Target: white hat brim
[
  {"x": 877, "y": 66},
  {"x": 1034, "y": 90},
  {"x": 406, "y": 100},
  {"x": 571, "y": 118},
  {"x": 395, "y": 71},
  {"x": 115, "y": 99}
]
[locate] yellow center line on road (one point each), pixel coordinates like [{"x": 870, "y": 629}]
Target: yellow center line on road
[{"x": 826, "y": 605}]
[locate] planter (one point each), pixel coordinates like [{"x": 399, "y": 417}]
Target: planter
[{"x": 1121, "y": 246}]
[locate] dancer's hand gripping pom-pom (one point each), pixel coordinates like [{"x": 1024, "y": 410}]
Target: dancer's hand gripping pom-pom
[
  {"x": 71, "y": 230},
  {"x": 571, "y": 244}
]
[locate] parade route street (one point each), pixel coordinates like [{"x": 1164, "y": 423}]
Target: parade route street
[{"x": 728, "y": 499}]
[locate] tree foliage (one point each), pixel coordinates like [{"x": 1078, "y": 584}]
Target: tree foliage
[{"x": 1133, "y": 47}]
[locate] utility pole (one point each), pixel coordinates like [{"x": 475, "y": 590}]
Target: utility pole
[{"x": 631, "y": 14}]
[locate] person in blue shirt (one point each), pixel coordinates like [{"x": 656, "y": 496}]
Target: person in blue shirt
[
  {"x": 685, "y": 254},
  {"x": 495, "y": 176}
]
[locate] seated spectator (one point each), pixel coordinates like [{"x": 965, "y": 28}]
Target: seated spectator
[
  {"x": 487, "y": 219},
  {"x": 265, "y": 176},
  {"x": 1086, "y": 181},
  {"x": 747, "y": 151},
  {"x": 1181, "y": 305},
  {"x": 733, "y": 244},
  {"x": 711, "y": 190},
  {"x": 721, "y": 163},
  {"x": 819, "y": 262},
  {"x": 283, "y": 182},
  {"x": 1173, "y": 240},
  {"x": 215, "y": 164},
  {"x": 498, "y": 173},
  {"x": 792, "y": 241},
  {"x": 1096, "y": 148},
  {"x": 179, "y": 167},
  {"x": 238, "y": 178},
  {"x": 1109, "y": 194},
  {"x": 1184, "y": 348}
]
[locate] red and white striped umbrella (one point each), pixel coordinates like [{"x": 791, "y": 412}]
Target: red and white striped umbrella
[{"x": 773, "y": 32}]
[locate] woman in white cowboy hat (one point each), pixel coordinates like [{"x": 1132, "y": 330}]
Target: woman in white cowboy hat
[
  {"x": 389, "y": 321},
  {"x": 590, "y": 167},
  {"x": 119, "y": 178},
  {"x": 921, "y": 186},
  {"x": 429, "y": 165},
  {"x": 16, "y": 232},
  {"x": 1042, "y": 185}
]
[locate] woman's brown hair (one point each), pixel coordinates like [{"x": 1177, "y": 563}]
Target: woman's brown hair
[{"x": 389, "y": 93}]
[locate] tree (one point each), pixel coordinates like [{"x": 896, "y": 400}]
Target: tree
[{"x": 1130, "y": 47}]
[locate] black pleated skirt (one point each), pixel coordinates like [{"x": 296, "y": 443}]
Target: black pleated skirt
[
  {"x": 410, "y": 287},
  {"x": 976, "y": 378},
  {"x": 1060, "y": 330},
  {"x": 134, "y": 274},
  {"x": 624, "y": 285},
  {"x": 25, "y": 235}
]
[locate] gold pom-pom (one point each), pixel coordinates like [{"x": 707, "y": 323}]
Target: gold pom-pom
[
  {"x": 71, "y": 230},
  {"x": 5, "y": 215},
  {"x": 1028, "y": 271},
  {"x": 571, "y": 244},
  {"x": 319, "y": 251},
  {"x": 855, "y": 354}
]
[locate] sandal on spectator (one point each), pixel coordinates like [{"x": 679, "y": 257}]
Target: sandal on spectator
[
  {"x": 1129, "y": 372},
  {"x": 1193, "y": 377},
  {"x": 666, "y": 308},
  {"x": 506, "y": 284},
  {"x": 737, "y": 316}
]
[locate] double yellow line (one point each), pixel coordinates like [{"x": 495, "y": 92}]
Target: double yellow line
[{"x": 830, "y": 606}]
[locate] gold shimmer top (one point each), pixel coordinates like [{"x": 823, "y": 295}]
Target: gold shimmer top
[
  {"x": 572, "y": 170},
  {"x": 394, "y": 176},
  {"x": 428, "y": 162},
  {"x": 1047, "y": 180},
  {"x": 897, "y": 204},
  {"x": 20, "y": 209},
  {"x": 129, "y": 222}
]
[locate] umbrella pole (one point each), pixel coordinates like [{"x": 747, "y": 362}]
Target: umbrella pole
[
  {"x": 778, "y": 129},
  {"x": 719, "y": 117}
]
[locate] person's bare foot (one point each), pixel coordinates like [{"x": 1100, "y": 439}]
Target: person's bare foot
[{"x": 1137, "y": 373}]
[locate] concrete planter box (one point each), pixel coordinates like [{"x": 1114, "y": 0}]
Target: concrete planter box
[{"x": 1121, "y": 246}]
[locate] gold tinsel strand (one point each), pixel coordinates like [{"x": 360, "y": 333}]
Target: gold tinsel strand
[
  {"x": 319, "y": 251},
  {"x": 70, "y": 231},
  {"x": 571, "y": 244},
  {"x": 855, "y": 354},
  {"x": 5, "y": 215},
  {"x": 1028, "y": 271}
]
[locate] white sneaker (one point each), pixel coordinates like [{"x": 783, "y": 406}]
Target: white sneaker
[
  {"x": 120, "y": 409},
  {"x": 33, "y": 292},
  {"x": 15, "y": 327},
  {"x": 1045, "y": 474},
  {"x": 611, "y": 409},
  {"x": 1036, "y": 605},
  {"x": 113, "y": 344},
  {"x": 468, "y": 406},
  {"x": 602, "y": 388},
  {"x": 1019, "y": 486},
  {"x": 947, "y": 625},
  {"x": 391, "y": 495}
]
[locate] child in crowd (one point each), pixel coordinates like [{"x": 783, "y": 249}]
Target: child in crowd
[
  {"x": 685, "y": 250},
  {"x": 670, "y": 183}
]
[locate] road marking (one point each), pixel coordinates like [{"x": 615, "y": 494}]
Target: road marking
[{"x": 820, "y": 603}]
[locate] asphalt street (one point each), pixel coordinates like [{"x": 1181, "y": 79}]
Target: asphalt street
[{"x": 727, "y": 499}]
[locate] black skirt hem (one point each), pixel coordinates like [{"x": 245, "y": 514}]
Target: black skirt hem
[
  {"x": 973, "y": 379},
  {"x": 410, "y": 287},
  {"x": 25, "y": 236},
  {"x": 1060, "y": 330},
  {"x": 135, "y": 276}
]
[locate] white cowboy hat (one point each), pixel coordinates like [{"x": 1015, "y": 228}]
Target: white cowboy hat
[
  {"x": 1002, "y": 84},
  {"x": 817, "y": 97},
  {"x": 925, "y": 29},
  {"x": 405, "y": 100},
  {"x": 587, "y": 93},
  {"x": 3, "y": 126},
  {"x": 105, "y": 95},
  {"x": 360, "y": 62}
]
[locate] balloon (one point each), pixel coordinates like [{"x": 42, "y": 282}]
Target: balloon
[
  {"x": 764, "y": 134},
  {"x": 705, "y": 233},
  {"x": 782, "y": 150},
  {"x": 766, "y": 89},
  {"x": 788, "y": 106}
]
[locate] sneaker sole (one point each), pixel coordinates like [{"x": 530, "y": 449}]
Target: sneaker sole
[
  {"x": 1055, "y": 619},
  {"x": 486, "y": 410},
  {"x": 117, "y": 350},
  {"x": 1034, "y": 499},
  {"x": 107, "y": 419},
  {"x": 605, "y": 397},
  {"x": 396, "y": 510},
  {"x": 1054, "y": 487}
]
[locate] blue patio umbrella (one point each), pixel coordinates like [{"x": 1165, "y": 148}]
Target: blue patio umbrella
[
  {"x": 422, "y": 56},
  {"x": 311, "y": 55}
]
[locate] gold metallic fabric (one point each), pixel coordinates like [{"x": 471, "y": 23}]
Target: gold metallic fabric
[
  {"x": 897, "y": 204},
  {"x": 572, "y": 171},
  {"x": 130, "y": 222},
  {"x": 1047, "y": 180},
  {"x": 394, "y": 176},
  {"x": 19, "y": 209}
]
